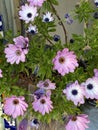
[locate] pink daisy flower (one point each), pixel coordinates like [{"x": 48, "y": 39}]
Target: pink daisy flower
[
  {"x": 28, "y": 13},
  {"x": 15, "y": 106},
  {"x": 43, "y": 105},
  {"x": 14, "y": 54},
  {"x": 96, "y": 72},
  {"x": 1, "y": 73},
  {"x": 78, "y": 122},
  {"x": 75, "y": 93},
  {"x": 22, "y": 43},
  {"x": 36, "y": 2},
  {"x": 91, "y": 88},
  {"x": 47, "y": 84},
  {"x": 65, "y": 62}
]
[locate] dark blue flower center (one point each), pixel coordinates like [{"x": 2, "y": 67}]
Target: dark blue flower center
[
  {"x": 35, "y": 121},
  {"x": 74, "y": 92},
  {"x": 46, "y": 19},
  {"x": 29, "y": 15},
  {"x": 96, "y": 3},
  {"x": 89, "y": 86},
  {"x": 32, "y": 31},
  {"x": 56, "y": 38}
]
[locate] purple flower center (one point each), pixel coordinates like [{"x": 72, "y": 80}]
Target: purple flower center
[
  {"x": 74, "y": 118},
  {"x": 46, "y": 19},
  {"x": 15, "y": 101},
  {"x": 35, "y": 121},
  {"x": 32, "y": 31},
  {"x": 61, "y": 60},
  {"x": 18, "y": 52},
  {"x": 74, "y": 92},
  {"x": 42, "y": 101},
  {"x": 46, "y": 84},
  {"x": 29, "y": 15},
  {"x": 89, "y": 86}
]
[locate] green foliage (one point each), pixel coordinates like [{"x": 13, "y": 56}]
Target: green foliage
[
  {"x": 39, "y": 55},
  {"x": 83, "y": 11}
]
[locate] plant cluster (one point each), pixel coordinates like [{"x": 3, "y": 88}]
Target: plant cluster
[{"x": 43, "y": 76}]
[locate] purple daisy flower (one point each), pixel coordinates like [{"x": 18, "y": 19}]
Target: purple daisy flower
[
  {"x": 22, "y": 42},
  {"x": 47, "y": 84}
]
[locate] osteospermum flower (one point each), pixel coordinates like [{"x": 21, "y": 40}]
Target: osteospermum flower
[
  {"x": 75, "y": 93},
  {"x": 47, "y": 84},
  {"x": 78, "y": 122},
  {"x": 36, "y": 2},
  {"x": 65, "y": 61},
  {"x": 34, "y": 123},
  {"x": 22, "y": 42},
  {"x": 42, "y": 92},
  {"x": 32, "y": 29},
  {"x": 96, "y": 2},
  {"x": 15, "y": 106},
  {"x": 96, "y": 72},
  {"x": 28, "y": 13},
  {"x": 1, "y": 73},
  {"x": 23, "y": 125},
  {"x": 43, "y": 105},
  {"x": 91, "y": 88},
  {"x": 14, "y": 54},
  {"x": 47, "y": 17},
  {"x": 68, "y": 18}
]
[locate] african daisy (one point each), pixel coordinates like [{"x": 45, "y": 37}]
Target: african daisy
[
  {"x": 43, "y": 105},
  {"x": 91, "y": 88},
  {"x": 15, "y": 106},
  {"x": 28, "y": 13},
  {"x": 78, "y": 122},
  {"x": 36, "y": 2},
  {"x": 47, "y": 84},
  {"x": 65, "y": 61},
  {"x": 75, "y": 93},
  {"x": 14, "y": 54}
]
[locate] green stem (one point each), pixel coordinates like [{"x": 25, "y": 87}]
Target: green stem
[{"x": 54, "y": 10}]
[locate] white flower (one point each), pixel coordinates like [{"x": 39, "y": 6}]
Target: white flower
[
  {"x": 91, "y": 88},
  {"x": 0, "y": 23},
  {"x": 34, "y": 123},
  {"x": 32, "y": 29},
  {"x": 47, "y": 17},
  {"x": 75, "y": 93},
  {"x": 28, "y": 13},
  {"x": 96, "y": 2}
]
